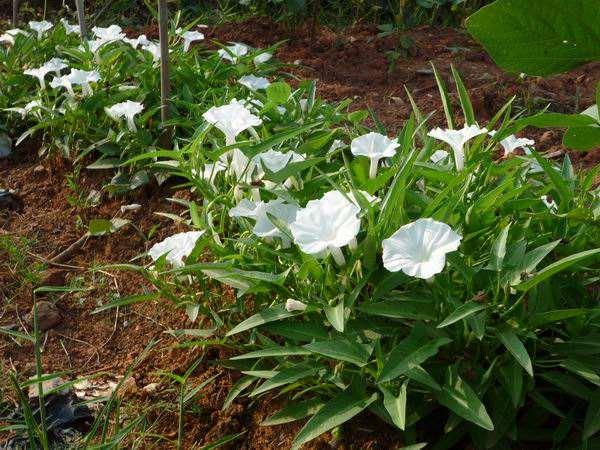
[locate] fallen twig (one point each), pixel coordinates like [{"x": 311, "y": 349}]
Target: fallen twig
[{"x": 68, "y": 252}]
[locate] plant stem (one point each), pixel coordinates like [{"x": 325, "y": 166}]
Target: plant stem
[
  {"x": 39, "y": 371},
  {"x": 15, "y": 15},
  {"x": 81, "y": 18},
  {"x": 163, "y": 22}
]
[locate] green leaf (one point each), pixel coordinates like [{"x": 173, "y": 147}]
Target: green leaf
[
  {"x": 268, "y": 315},
  {"x": 337, "y": 411},
  {"x": 463, "y": 96},
  {"x": 514, "y": 345},
  {"x": 556, "y": 267},
  {"x": 460, "y": 398},
  {"x": 285, "y": 376},
  {"x": 499, "y": 250},
  {"x": 273, "y": 351},
  {"x": 294, "y": 411},
  {"x": 396, "y": 406},
  {"x": 342, "y": 350},
  {"x": 582, "y": 138},
  {"x": 400, "y": 361},
  {"x": 446, "y": 103},
  {"x": 591, "y": 424},
  {"x": 557, "y": 315},
  {"x": 237, "y": 389},
  {"x": 279, "y": 92},
  {"x": 337, "y": 316},
  {"x": 461, "y": 313},
  {"x": 401, "y": 308},
  {"x": 538, "y": 37}
]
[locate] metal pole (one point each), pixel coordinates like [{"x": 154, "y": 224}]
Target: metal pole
[
  {"x": 81, "y": 18},
  {"x": 163, "y": 22},
  {"x": 15, "y": 16}
]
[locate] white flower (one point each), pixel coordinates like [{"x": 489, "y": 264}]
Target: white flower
[
  {"x": 374, "y": 146},
  {"x": 233, "y": 52},
  {"x": 336, "y": 145},
  {"x": 76, "y": 77},
  {"x": 438, "y": 155},
  {"x": 259, "y": 212},
  {"x": 70, "y": 29},
  {"x": 457, "y": 140},
  {"x": 254, "y": 83},
  {"x": 10, "y": 35},
  {"x": 56, "y": 65},
  {"x": 109, "y": 34},
  {"x": 550, "y": 204},
  {"x": 154, "y": 50},
  {"x": 276, "y": 161},
  {"x": 294, "y": 305},
  {"x": 231, "y": 119},
  {"x": 511, "y": 143},
  {"x": 419, "y": 248},
  {"x": 126, "y": 109},
  {"x": 176, "y": 247},
  {"x": 189, "y": 37},
  {"x": 262, "y": 58},
  {"x": 34, "y": 104},
  {"x": 40, "y": 27},
  {"x": 326, "y": 225}
]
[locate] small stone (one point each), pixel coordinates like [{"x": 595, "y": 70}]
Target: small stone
[
  {"x": 150, "y": 389},
  {"x": 48, "y": 315}
]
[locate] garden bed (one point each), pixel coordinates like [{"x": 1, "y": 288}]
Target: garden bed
[{"x": 348, "y": 64}]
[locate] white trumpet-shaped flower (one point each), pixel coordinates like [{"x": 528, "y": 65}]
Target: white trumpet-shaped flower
[
  {"x": 9, "y": 36},
  {"x": 511, "y": 143},
  {"x": 292, "y": 305},
  {"x": 40, "y": 27},
  {"x": 109, "y": 34},
  {"x": 154, "y": 50},
  {"x": 127, "y": 110},
  {"x": 69, "y": 29},
  {"x": 189, "y": 37},
  {"x": 374, "y": 146},
  {"x": 419, "y": 248},
  {"x": 457, "y": 139},
  {"x": 276, "y": 161},
  {"x": 54, "y": 65},
  {"x": 176, "y": 247},
  {"x": 231, "y": 119},
  {"x": 233, "y": 52},
  {"x": 27, "y": 108},
  {"x": 82, "y": 78},
  {"x": 260, "y": 211},
  {"x": 326, "y": 225},
  {"x": 254, "y": 83},
  {"x": 262, "y": 58}
]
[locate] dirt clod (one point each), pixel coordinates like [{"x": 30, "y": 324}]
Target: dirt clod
[{"x": 48, "y": 315}]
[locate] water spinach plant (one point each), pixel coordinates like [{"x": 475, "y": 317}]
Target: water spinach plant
[{"x": 443, "y": 279}]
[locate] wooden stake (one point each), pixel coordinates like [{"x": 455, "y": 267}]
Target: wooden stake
[
  {"x": 81, "y": 18},
  {"x": 15, "y": 16},
  {"x": 163, "y": 23}
]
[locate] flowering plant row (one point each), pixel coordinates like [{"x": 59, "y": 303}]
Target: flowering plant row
[{"x": 440, "y": 278}]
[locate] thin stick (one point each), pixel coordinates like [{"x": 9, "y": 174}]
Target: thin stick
[
  {"x": 74, "y": 247},
  {"x": 15, "y": 16},
  {"x": 163, "y": 22},
  {"x": 81, "y": 18}
]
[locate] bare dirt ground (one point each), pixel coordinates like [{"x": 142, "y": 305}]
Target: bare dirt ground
[{"x": 351, "y": 64}]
